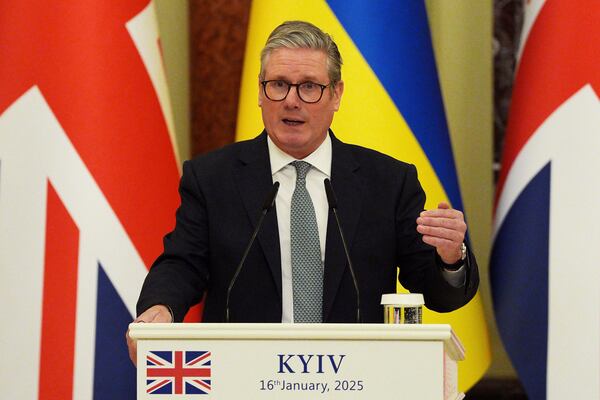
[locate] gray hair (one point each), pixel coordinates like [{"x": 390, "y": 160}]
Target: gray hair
[{"x": 304, "y": 35}]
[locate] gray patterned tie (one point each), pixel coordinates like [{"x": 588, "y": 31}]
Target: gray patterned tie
[{"x": 307, "y": 267}]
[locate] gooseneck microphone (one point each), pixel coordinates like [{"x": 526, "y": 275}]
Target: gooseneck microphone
[
  {"x": 267, "y": 205},
  {"x": 332, "y": 200}
]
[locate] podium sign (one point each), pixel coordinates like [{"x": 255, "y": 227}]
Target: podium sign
[{"x": 296, "y": 361}]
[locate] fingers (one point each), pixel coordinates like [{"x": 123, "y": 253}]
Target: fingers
[
  {"x": 455, "y": 235},
  {"x": 443, "y": 213},
  {"x": 158, "y": 313},
  {"x": 438, "y": 243},
  {"x": 131, "y": 348},
  {"x": 446, "y": 224},
  {"x": 443, "y": 222},
  {"x": 443, "y": 228}
]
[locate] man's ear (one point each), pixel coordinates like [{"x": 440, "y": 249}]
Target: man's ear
[
  {"x": 338, "y": 91},
  {"x": 260, "y": 94}
]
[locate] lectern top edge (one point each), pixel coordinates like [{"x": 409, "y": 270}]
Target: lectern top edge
[{"x": 278, "y": 331}]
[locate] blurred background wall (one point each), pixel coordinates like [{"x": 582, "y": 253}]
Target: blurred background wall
[{"x": 173, "y": 23}]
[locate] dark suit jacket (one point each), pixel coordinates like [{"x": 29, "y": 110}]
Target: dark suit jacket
[{"x": 379, "y": 200}]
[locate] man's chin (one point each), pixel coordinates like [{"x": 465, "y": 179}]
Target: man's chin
[
  {"x": 295, "y": 142},
  {"x": 295, "y": 148},
  {"x": 292, "y": 138}
]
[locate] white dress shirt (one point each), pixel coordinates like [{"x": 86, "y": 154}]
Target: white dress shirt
[{"x": 285, "y": 174}]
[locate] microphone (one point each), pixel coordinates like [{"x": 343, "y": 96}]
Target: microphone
[
  {"x": 267, "y": 205},
  {"x": 332, "y": 200}
]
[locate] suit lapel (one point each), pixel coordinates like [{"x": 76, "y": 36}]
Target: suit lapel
[
  {"x": 253, "y": 177},
  {"x": 348, "y": 188}
]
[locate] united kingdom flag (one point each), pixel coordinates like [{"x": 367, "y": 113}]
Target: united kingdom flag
[
  {"x": 544, "y": 263},
  {"x": 178, "y": 372},
  {"x": 88, "y": 179}
]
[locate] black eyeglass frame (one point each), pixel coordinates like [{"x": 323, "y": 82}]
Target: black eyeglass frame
[{"x": 297, "y": 86}]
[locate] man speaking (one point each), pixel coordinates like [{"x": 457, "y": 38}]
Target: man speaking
[{"x": 297, "y": 269}]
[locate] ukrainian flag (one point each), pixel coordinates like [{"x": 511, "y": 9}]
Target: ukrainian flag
[{"x": 391, "y": 103}]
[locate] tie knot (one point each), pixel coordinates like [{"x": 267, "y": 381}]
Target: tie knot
[{"x": 302, "y": 168}]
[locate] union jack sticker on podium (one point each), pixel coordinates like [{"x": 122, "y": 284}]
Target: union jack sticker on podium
[{"x": 178, "y": 372}]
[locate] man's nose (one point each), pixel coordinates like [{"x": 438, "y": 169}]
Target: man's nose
[{"x": 292, "y": 100}]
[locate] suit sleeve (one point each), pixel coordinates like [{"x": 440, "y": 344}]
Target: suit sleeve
[
  {"x": 179, "y": 276},
  {"x": 420, "y": 268}
]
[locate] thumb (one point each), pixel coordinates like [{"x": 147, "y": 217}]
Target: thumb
[{"x": 443, "y": 205}]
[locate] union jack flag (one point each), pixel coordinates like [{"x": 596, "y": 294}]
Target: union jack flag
[
  {"x": 178, "y": 372},
  {"x": 88, "y": 186},
  {"x": 544, "y": 263}
]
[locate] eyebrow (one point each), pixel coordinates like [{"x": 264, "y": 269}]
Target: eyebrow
[
  {"x": 306, "y": 78},
  {"x": 312, "y": 80}
]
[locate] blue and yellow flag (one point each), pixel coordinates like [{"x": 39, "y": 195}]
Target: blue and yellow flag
[{"x": 391, "y": 103}]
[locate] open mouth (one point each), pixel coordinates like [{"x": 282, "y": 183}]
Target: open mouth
[{"x": 292, "y": 122}]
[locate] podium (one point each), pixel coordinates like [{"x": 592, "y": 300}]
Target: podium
[{"x": 296, "y": 361}]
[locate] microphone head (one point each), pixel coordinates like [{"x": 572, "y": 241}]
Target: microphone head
[
  {"x": 270, "y": 199},
  {"x": 331, "y": 199}
]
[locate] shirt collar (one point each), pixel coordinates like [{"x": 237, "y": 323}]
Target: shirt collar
[{"x": 319, "y": 159}]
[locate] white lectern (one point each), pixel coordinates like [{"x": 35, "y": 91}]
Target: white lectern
[{"x": 296, "y": 361}]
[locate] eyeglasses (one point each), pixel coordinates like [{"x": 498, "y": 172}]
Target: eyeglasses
[{"x": 308, "y": 92}]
